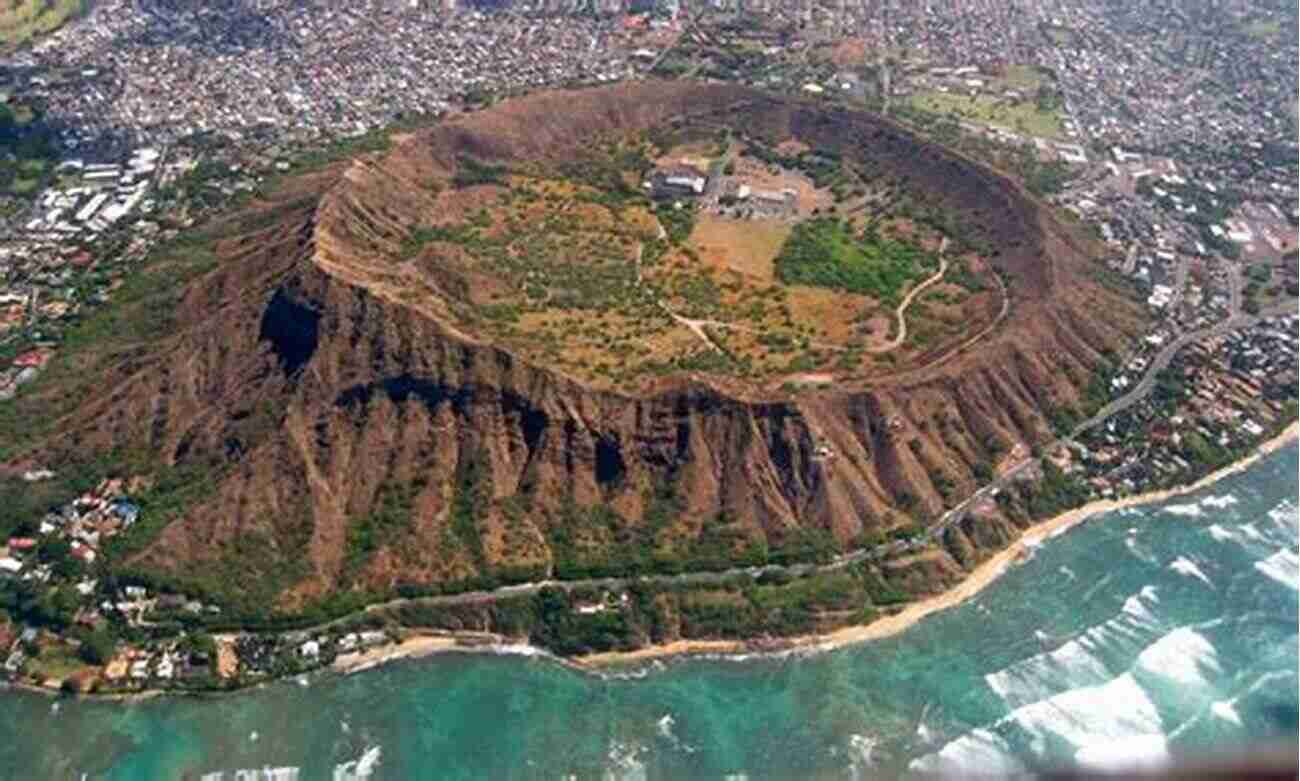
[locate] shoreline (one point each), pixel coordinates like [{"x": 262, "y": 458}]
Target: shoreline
[
  {"x": 417, "y": 644},
  {"x": 978, "y": 579},
  {"x": 975, "y": 581}
]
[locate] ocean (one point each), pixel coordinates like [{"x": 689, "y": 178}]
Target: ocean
[{"x": 1162, "y": 630}]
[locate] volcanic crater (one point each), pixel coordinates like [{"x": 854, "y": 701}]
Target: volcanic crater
[{"x": 483, "y": 353}]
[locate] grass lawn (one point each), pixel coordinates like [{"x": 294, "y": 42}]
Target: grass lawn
[
  {"x": 1025, "y": 78},
  {"x": 1262, "y": 28},
  {"x": 22, "y": 20},
  {"x": 55, "y": 662},
  {"x": 1023, "y": 117},
  {"x": 746, "y": 246},
  {"x": 21, "y": 186},
  {"x": 1060, "y": 35}
]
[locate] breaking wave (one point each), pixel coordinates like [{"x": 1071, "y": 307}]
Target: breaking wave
[
  {"x": 664, "y": 726},
  {"x": 862, "y": 753},
  {"x": 1185, "y": 566},
  {"x": 1183, "y": 657},
  {"x": 1219, "y": 502},
  {"x": 288, "y": 773},
  {"x": 977, "y": 751},
  {"x": 1226, "y": 710},
  {"x": 362, "y": 767},
  {"x": 1134, "y": 753},
  {"x": 1188, "y": 510},
  {"x": 1109, "y": 717},
  {"x": 1220, "y": 534},
  {"x": 626, "y": 762},
  {"x": 1286, "y": 516},
  {"x": 1283, "y": 567}
]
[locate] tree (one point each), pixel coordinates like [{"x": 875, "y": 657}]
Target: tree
[
  {"x": 97, "y": 648},
  {"x": 199, "y": 643}
]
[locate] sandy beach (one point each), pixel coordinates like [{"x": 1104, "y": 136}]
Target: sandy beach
[
  {"x": 979, "y": 579},
  {"x": 412, "y": 647}
]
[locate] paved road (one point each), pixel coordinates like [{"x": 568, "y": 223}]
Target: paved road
[
  {"x": 1130, "y": 262},
  {"x": 1139, "y": 391},
  {"x": 1161, "y": 360},
  {"x": 1234, "y": 290}
]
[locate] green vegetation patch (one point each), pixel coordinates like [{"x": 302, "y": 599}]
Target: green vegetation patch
[
  {"x": 23, "y": 20},
  {"x": 471, "y": 171},
  {"x": 388, "y": 522},
  {"x": 32, "y": 149},
  {"x": 824, "y": 252}
]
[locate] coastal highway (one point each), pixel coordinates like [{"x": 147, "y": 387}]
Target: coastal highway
[
  {"x": 932, "y": 534},
  {"x": 1139, "y": 391}
]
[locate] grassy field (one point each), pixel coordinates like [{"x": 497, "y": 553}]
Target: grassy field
[
  {"x": 1060, "y": 35},
  {"x": 23, "y": 20},
  {"x": 1262, "y": 28},
  {"x": 748, "y": 246},
  {"x": 1022, "y": 77},
  {"x": 1023, "y": 117},
  {"x": 56, "y": 662}
]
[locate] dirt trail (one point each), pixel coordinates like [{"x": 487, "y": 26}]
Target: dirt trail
[
  {"x": 901, "y": 336},
  {"x": 694, "y": 326}
]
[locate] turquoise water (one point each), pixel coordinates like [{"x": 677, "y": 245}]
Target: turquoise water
[{"x": 1146, "y": 632}]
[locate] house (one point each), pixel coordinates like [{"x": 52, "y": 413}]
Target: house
[
  {"x": 166, "y": 668},
  {"x": 10, "y": 565},
  {"x": 170, "y": 602},
  {"x": 373, "y": 638},
  {"x": 309, "y": 649},
  {"x": 679, "y": 180},
  {"x": 21, "y": 543},
  {"x": 33, "y": 359}
]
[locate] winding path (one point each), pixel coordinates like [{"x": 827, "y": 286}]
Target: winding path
[{"x": 901, "y": 336}]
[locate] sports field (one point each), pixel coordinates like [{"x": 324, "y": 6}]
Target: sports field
[{"x": 1022, "y": 117}]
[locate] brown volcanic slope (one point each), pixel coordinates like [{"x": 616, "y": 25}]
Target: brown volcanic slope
[{"x": 316, "y": 375}]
